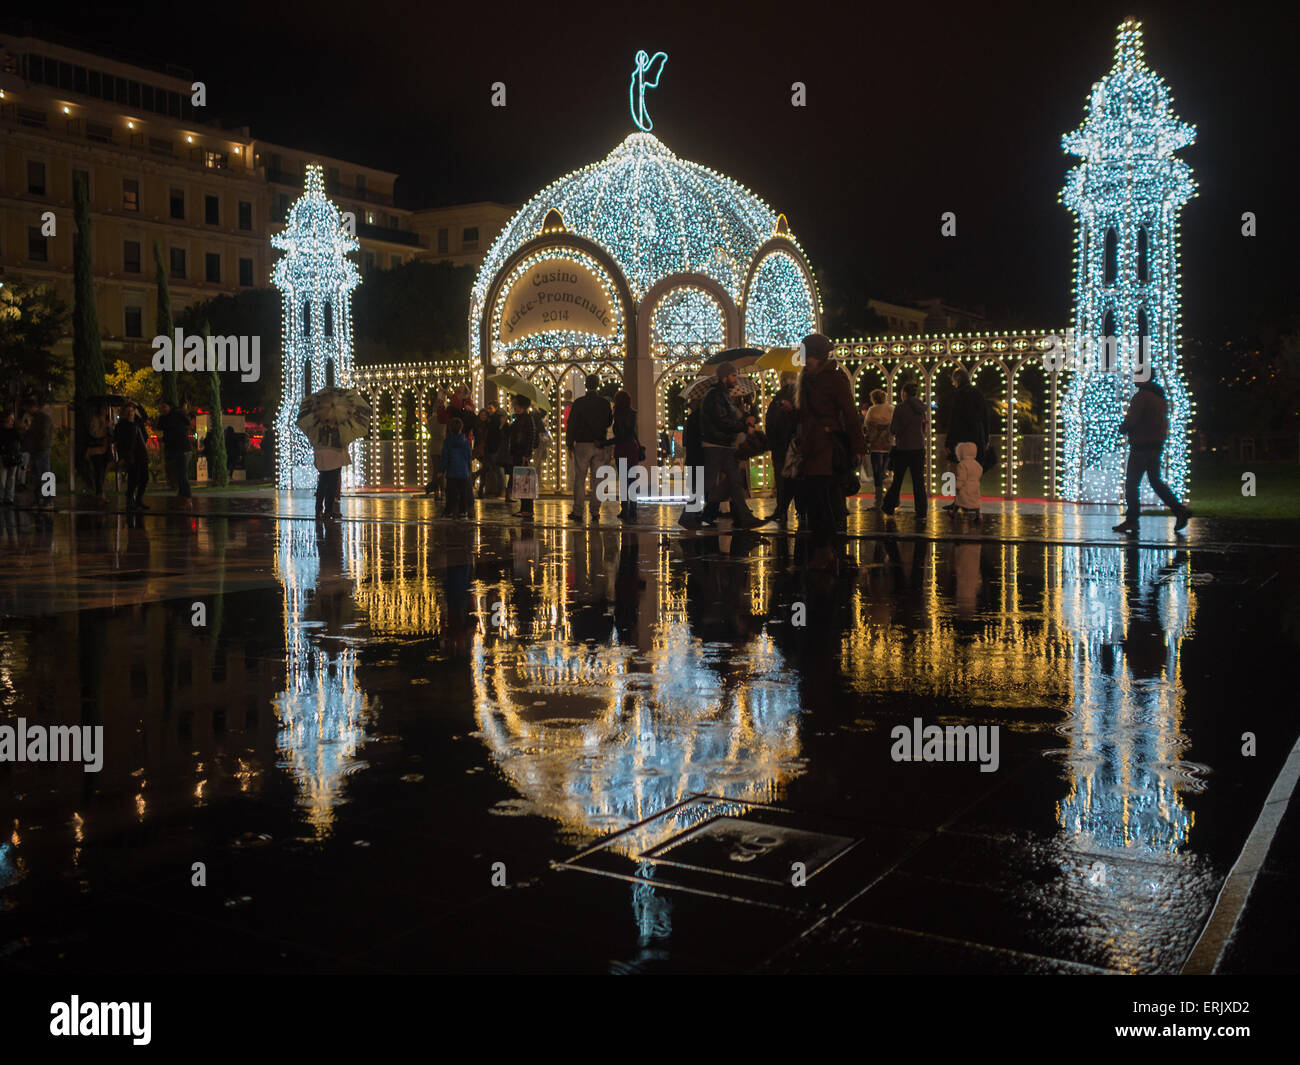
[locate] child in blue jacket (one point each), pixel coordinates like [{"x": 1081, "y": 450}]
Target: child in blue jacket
[{"x": 455, "y": 465}]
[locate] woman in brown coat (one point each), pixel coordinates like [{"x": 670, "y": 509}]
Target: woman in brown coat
[{"x": 827, "y": 414}]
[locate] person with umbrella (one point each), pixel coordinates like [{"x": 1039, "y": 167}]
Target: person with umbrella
[{"x": 331, "y": 419}]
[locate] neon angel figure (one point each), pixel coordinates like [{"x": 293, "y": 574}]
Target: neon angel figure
[{"x": 646, "y": 76}]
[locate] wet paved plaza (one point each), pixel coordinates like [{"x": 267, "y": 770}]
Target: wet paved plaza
[{"x": 400, "y": 743}]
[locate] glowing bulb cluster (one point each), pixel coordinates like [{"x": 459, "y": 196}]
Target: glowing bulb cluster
[
  {"x": 780, "y": 310},
  {"x": 1126, "y": 195},
  {"x": 316, "y": 280},
  {"x": 656, "y": 216}
]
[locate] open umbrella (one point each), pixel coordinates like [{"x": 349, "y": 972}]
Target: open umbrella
[
  {"x": 517, "y": 386},
  {"x": 694, "y": 392},
  {"x": 334, "y": 417},
  {"x": 782, "y": 360},
  {"x": 738, "y": 357}
]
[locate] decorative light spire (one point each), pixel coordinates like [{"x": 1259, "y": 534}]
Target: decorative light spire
[
  {"x": 316, "y": 279},
  {"x": 1126, "y": 194}
]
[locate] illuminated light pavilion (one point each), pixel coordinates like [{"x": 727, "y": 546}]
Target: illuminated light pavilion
[{"x": 635, "y": 268}]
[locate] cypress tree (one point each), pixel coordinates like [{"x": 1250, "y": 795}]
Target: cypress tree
[
  {"x": 87, "y": 360},
  {"x": 164, "y": 327},
  {"x": 217, "y": 472}
]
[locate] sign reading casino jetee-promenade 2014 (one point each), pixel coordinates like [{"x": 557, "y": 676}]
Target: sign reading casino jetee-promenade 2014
[{"x": 556, "y": 296}]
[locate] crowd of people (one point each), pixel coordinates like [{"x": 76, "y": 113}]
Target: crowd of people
[
  {"x": 822, "y": 448},
  {"x": 117, "y": 440}
]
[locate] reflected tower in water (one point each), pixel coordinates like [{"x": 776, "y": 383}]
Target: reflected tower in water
[{"x": 322, "y": 712}]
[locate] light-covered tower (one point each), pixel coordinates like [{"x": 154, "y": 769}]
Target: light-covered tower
[
  {"x": 317, "y": 280},
  {"x": 1125, "y": 194}
]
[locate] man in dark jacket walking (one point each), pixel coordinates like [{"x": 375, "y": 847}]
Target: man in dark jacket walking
[
  {"x": 830, "y": 427},
  {"x": 780, "y": 425},
  {"x": 908, "y": 426},
  {"x": 174, "y": 425},
  {"x": 1147, "y": 426},
  {"x": 721, "y": 424},
  {"x": 586, "y": 435},
  {"x": 969, "y": 422}
]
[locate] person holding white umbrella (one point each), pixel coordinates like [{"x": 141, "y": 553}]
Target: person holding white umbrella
[{"x": 331, "y": 419}]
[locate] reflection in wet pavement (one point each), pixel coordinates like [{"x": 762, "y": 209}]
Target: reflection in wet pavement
[{"x": 442, "y": 746}]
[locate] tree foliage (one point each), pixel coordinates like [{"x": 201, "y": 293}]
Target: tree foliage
[
  {"x": 163, "y": 324},
  {"x": 418, "y": 310},
  {"x": 32, "y": 319}
]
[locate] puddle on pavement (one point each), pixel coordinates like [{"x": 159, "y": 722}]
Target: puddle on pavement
[{"x": 557, "y": 688}]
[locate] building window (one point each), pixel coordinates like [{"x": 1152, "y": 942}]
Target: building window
[
  {"x": 396, "y": 261},
  {"x": 361, "y": 184},
  {"x": 369, "y": 262},
  {"x": 370, "y": 218},
  {"x": 36, "y": 178},
  {"x": 469, "y": 237},
  {"x": 36, "y": 248},
  {"x": 442, "y": 241},
  {"x": 245, "y": 215},
  {"x": 80, "y": 175},
  {"x": 99, "y": 132},
  {"x": 178, "y": 204},
  {"x": 131, "y": 256},
  {"x": 212, "y": 210},
  {"x": 333, "y": 175},
  {"x": 178, "y": 263},
  {"x": 212, "y": 267},
  {"x": 134, "y": 321},
  {"x": 130, "y": 194},
  {"x": 246, "y": 272}
]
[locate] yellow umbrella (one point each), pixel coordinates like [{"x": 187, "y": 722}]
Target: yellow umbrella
[{"x": 782, "y": 360}]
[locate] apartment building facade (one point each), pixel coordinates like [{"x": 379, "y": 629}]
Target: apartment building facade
[{"x": 461, "y": 234}]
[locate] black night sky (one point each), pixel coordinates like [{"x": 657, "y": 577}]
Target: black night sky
[{"x": 913, "y": 110}]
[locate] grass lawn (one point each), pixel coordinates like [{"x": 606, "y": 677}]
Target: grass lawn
[{"x": 1217, "y": 485}]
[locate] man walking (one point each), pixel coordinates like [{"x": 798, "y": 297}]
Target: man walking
[
  {"x": 908, "y": 426},
  {"x": 721, "y": 424},
  {"x": 38, "y": 440},
  {"x": 830, "y": 440},
  {"x": 1147, "y": 426},
  {"x": 586, "y": 435},
  {"x": 779, "y": 424},
  {"x": 174, "y": 425}
]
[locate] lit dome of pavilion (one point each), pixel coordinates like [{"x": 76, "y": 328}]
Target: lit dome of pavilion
[{"x": 655, "y": 215}]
